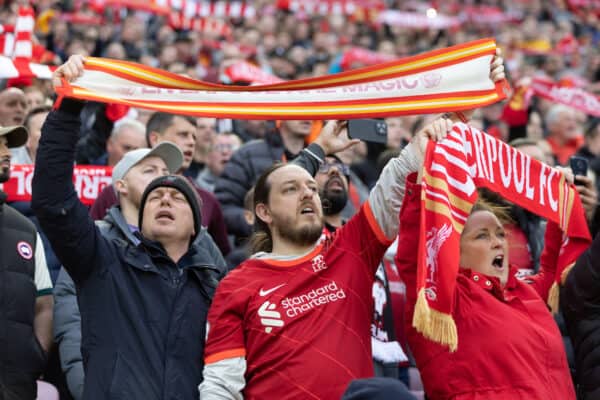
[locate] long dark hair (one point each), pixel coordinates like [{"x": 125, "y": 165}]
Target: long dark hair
[{"x": 261, "y": 239}]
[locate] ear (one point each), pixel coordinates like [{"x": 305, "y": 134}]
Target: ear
[
  {"x": 249, "y": 217},
  {"x": 109, "y": 145},
  {"x": 153, "y": 139},
  {"x": 121, "y": 187},
  {"x": 263, "y": 213}
]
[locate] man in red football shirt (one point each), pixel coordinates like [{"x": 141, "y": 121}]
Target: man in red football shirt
[{"x": 294, "y": 320}]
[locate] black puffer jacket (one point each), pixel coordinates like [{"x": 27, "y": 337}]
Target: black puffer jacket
[
  {"x": 240, "y": 173},
  {"x": 580, "y": 304}
]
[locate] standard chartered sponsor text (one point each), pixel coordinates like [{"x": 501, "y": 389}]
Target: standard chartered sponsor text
[{"x": 325, "y": 294}]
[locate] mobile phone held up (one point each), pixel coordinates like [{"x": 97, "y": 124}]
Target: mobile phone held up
[
  {"x": 368, "y": 130},
  {"x": 579, "y": 166}
]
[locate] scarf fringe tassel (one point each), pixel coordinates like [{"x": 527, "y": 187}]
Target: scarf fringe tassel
[
  {"x": 434, "y": 325},
  {"x": 554, "y": 293}
]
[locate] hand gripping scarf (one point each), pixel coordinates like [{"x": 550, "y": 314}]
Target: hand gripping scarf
[
  {"x": 450, "y": 79},
  {"x": 454, "y": 168}
]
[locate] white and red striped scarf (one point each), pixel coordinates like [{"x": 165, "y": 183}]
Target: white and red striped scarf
[
  {"x": 243, "y": 71},
  {"x": 15, "y": 42},
  {"x": 331, "y": 7},
  {"x": 16, "y": 49},
  {"x": 186, "y": 8},
  {"x": 572, "y": 96},
  {"x": 569, "y": 93},
  {"x": 23, "y": 68},
  {"x": 454, "y": 168},
  {"x": 451, "y": 79}
]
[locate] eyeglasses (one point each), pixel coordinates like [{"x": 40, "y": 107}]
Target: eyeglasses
[{"x": 342, "y": 168}]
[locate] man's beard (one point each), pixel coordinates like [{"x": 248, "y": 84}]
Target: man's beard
[
  {"x": 4, "y": 174},
  {"x": 304, "y": 235},
  {"x": 333, "y": 201}
]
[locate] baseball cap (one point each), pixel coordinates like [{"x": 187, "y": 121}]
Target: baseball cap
[
  {"x": 167, "y": 151},
  {"x": 15, "y": 135}
]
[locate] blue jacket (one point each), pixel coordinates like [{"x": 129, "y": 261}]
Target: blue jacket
[{"x": 143, "y": 316}]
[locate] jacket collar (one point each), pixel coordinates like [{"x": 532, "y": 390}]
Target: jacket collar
[
  {"x": 491, "y": 283},
  {"x": 117, "y": 220},
  {"x": 197, "y": 255}
]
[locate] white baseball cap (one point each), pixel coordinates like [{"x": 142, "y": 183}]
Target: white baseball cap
[{"x": 167, "y": 151}]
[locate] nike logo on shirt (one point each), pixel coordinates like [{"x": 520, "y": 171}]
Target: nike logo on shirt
[{"x": 263, "y": 293}]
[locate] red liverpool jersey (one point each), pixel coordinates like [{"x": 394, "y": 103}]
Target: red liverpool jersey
[{"x": 303, "y": 325}]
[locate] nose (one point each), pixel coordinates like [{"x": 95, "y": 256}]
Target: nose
[
  {"x": 334, "y": 170},
  {"x": 497, "y": 241},
  {"x": 191, "y": 142},
  {"x": 307, "y": 192},
  {"x": 165, "y": 199}
]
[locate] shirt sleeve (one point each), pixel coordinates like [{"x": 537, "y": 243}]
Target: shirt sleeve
[
  {"x": 224, "y": 380},
  {"x": 387, "y": 195},
  {"x": 225, "y": 318},
  {"x": 363, "y": 236},
  {"x": 43, "y": 283}
]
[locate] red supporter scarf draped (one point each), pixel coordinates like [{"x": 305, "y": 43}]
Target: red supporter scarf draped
[
  {"x": 450, "y": 79},
  {"x": 568, "y": 92},
  {"x": 569, "y": 95},
  {"x": 23, "y": 68},
  {"x": 243, "y": 71},
  {"x": 187, "y": 8},
  {"x": 89, "y": 180},
  {"x": 15, "y": 41},
  {"x": 454, "y": 168},
  {"x": 363, "y": 56}
]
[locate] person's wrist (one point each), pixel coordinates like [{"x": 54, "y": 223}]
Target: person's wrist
[{"x": 322, "y": 144}]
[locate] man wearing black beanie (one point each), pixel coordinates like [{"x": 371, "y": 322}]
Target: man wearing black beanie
[
  {"x": 179, "y": 184},
  {"x": 144, "y": 299}
]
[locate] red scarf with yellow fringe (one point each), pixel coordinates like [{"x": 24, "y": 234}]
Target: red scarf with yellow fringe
[{"x": 454, "y": 168}]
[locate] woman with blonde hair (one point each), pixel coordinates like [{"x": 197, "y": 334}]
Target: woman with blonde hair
[{"x": 509, "y": 346}]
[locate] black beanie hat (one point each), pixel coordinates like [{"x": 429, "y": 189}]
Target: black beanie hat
[{"x": 181, "y": 185}]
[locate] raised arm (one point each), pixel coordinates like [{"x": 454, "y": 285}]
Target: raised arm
[
  {"x": 332, "y": 139},
  {"x": 64, "y": 219},
  {"x": 543, "y": 280}
]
